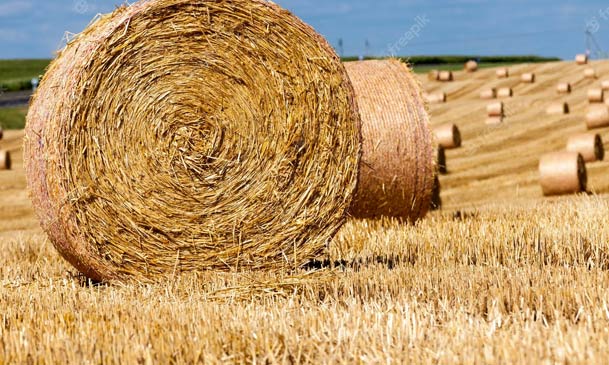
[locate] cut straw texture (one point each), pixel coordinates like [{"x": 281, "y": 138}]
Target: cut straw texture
[
  {"x": 181, "y": 135},
  {"x": 562, "y": 173},
  {"x": 581, "y": 59},
  {"x": 505, "y": 92},
  {"x": 398, "y": 162},
  {"x": 597, "y": 116},
  {"x": 589, "y": 145},
  {"x": 563, "y": 88},
  {"x": 558, "y": 108},
  {"x": 502, "y": 73},
  {"x": 441, "y": 162},
  {"x": 448, "y": 136},
  {"x": 5, "y": 160}
]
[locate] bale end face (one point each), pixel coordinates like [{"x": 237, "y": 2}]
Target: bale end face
[{"x": 562, "y": 173}]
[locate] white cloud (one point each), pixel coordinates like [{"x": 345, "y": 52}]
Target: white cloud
[{"x": 12, "y": 8}]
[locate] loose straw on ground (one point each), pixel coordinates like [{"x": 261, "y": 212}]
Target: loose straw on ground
[
  {"x": 448, "y": 136},
  {"x": 596, "y": 95},
  {"x": 398, "y": 162},
  {"x": 505, "y": 92},
  {"x": 597, "y": 116},
  {"x": 5, "y": 160},
  {"x": 589, "y": 145},
  {"x": 558, "y": 108},
  {"x": 562, "y": 173},
  {"x": 181, "y": 135},
  {"x": 436, "y": 200},
  {"x": 563, "y": 88}
]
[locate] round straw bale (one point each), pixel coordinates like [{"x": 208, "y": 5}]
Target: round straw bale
[
  {"x": 596, "y": 95},
  {"x": 495, "y": 109},
  {"x": 442, "y": 167},
  {"x": 597, "y": 116},
  {"x": 505, "y": 92},
  {"x": 436, "y": 98},
  {"x": 446, "y": 76},
  {"x": 581, "y": 59},
  {"x": 563, "y": 88},
  {"x": 471, "y": 66},
  {"x": 448, "y": 136},
  {"x": 562, "y": 173},
  {"x": 398, "y": 167},
  {"x": 493, "y": 121},
  {"x": 433, "y": 75},
  {"x": 502, "y": 73},
  {"x": 590, "y": 73},
  {"x": 187, "y": 135},
  {"x": 558, "y": 108},
  {"x": 605, "y": 85},
  {"x": 488, "y": 93},
  {"x": 5, "y": 160},
  {"x": 436, "y": 200},
  {"x": 528, "y": 78},
  {"x": 589, "y": 145}
]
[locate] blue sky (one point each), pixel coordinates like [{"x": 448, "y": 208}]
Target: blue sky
[{"x": 35, "y": 28}]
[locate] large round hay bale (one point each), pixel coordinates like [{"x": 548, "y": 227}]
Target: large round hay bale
[
  {"x": 5, "y": 160},
  {"x": 581, "y": 59},
  {"x": 563, "y": 88},
  {"x": 589, "y": 145},
  {"x": 562, "y": 173},
  {"x": 558, "y": 108},
  {"x": 180, "y": 135},
  {"x": 448, "y": 136},
  {"x": 597, "y": 116},
  {"x": 505, "y": 92},
  {"x": 397, "y": 173},
  {"x": 596, "y": 95},
  {"x": 502, "y": 73},
  {"x": 471, "y": 66}
]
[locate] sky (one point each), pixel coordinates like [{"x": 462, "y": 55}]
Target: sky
[{"x": 36, "y": 28}]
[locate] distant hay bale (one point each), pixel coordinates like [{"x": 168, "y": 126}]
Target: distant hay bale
[
  {"x": 433, "y": 75},
  {"x": 528, "y": 78},
  {"x": 581, "y": 59},
  {"x": 494, "y": 121},
  {"x": 448, "y": 136},
  {"x": 590, "y": 73},
  {"x": 441, "y": 162},
  {"x": 597, "y": 116},
  {"x": 471, "y": 66},
  {"x": 505, "y": 92},
  {"x": 488, "y": 94},
  {"x": 398, "y": 162},
  {"x": 562, "y": 173},
  {"x": 495, "y": 109},
  {"x": 605, "y": 85},
  {"x": 589, "y": 145},
  {"x": 596, "y": 95},
  {"x": 563, "y": 88},
  {"x": 502, "y": 73},
  {"x": 189, "y": 135},
  {"x": 435, "y": 98},
  {"x": 558, "y": 108},
  {"x": 5, "y": 160},
  {"x": 446, "y": 76}
]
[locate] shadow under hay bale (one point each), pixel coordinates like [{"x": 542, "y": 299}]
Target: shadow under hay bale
[
  {"x": 562, "y": 173},
  {"x": 208, "y": 136},
  {"x": 589, "y": 145},
  {"x": 441, "y": 160},
  {"x": 5, "y": 160},
  {"x": 397, "y": 172}
]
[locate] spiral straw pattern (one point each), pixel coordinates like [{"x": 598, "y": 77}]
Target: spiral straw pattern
[{"x": 179, "y": 135}]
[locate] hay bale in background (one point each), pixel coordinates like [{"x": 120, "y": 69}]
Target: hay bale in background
[
  {"x": 597, "y": 116},
  {"x": 471, "y": 66},
  {"x": 5, "y": 160},
  {"x": 563, "y": 88},
  {"x": 502, "y": 73},
  {"x": 562, "y": 173},
  {"x": 435, "y": 98},
  {"x": 528, "y": 78},
  {"x": 605, "y": 85},
  {"x": 488, "y": 94},
  {"x": 398, "y": 162},
  {"x": 596, "y": 95},
  {"x": 505, "y": 92},
  {"x": 589, "y": 145},
  {"x": 441, "y": 162},
  {"x": 448, "y": 136},
  {"x": 495, "y": 109},
  {"x": 433, "y": 75},
  {"x": 446, "y": 76},
  {"x": 180, "y": 135},
  {"x": 558, "y": 108},
  {"x": 590, "y": 73},
  {"x": 581, "y": 59}
]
